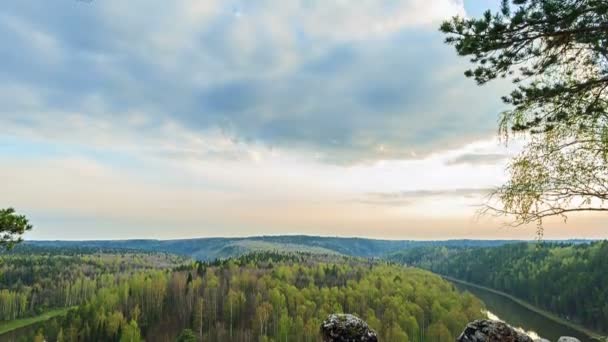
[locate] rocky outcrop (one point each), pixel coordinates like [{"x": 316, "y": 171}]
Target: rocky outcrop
[
  {"x": 491, "y": 331},
  {"x": 346, "y": 328},
  {"x": 350, "y": 328},
  {"x": 496, "y": 331}
]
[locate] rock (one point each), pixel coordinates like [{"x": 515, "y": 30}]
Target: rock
[
  {"x": 568, "y": 339},
  {"x": 491, "y": 331},
  {"x": 346, "y": 328}
]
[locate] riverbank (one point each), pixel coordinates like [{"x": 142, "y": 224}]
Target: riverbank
[
  {"x": 592, "y": 334},
  {"x": 9, "y": 326}
]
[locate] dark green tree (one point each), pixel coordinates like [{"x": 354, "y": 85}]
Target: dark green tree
[
  {"x": 556, "y": 54},
  {"x": 186, "y": 335},
  {"x": 12, "y": 227}
]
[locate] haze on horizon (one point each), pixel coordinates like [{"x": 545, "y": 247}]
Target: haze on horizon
[{"x": 152, "y": 119}]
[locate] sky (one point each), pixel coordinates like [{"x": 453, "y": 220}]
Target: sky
[{"x": 178, "y": 119}]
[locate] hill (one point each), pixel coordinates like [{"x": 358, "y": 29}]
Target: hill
[{"x": 214, "y": 248}]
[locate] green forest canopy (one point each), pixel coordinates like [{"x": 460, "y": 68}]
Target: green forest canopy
[
  {"x": 262, "y": 296},
  {"x": 565, "y": 279}
]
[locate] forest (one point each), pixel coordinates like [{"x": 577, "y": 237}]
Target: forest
[
  {"x": 566, "y": 279},
  {"x": 264, "y": 296},
  {"x": 34, "y": 280}
]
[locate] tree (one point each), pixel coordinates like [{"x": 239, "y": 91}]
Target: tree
[
  {"x": 395, "y": 333},
  {"x": 12, "y": 227},
  {"x": 114, "y": 323},
  {"x": 186, "y": 335},
  {"x": 197, "y": 317},
  {"x": 284, "y": 326},
  {"x": 263, "y": 313},
  {"x": 60, "y": 337},
  {"x": 439, "y": 333},
  {"x": 556, "y": 54},
  {"x": 235, "y": 301},
  {"x": 130, "y": 332},
  {"x": 39, "y": 336}
]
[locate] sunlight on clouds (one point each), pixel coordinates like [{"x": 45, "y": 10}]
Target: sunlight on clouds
[
  {"x": 279, "y": 194},
  {"x": 178, "y": 178}
]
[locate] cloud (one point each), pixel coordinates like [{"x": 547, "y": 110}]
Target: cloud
[
  {"x": 408, "y": 197},
  {"x": 351, "y": 82},
  {"x": 231, "y": 118},
  {"x": 431, "y": 193},
  {"x": 478, "y": 159}
]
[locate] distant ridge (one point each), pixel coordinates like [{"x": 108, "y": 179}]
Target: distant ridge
[{"x": 214, "y": 248}]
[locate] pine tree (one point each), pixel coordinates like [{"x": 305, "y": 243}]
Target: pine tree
[{"x": 12, "y": 227}]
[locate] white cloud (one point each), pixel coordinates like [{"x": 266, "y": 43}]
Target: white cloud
[{"x": 345, "y": 20}]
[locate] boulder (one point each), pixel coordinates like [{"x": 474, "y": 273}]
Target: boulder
[
  {"x": 491, "y": 331},
  {"x": 568, "y": 339},
  {"x": 346, "y": 328}
]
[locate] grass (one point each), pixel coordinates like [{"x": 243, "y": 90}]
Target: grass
[
  {"x": 547, "y": 314},
  {"x": 24, "y": 322}
]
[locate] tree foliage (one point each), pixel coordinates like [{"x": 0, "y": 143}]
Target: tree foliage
[
  {"x": 12, "y": 227},
  {"x": 556, "y": 54},
  {"x": 35, "y": 280},
  {"x": 565, "y": 279},
  {"x": 262, "y": 297},
  {"x": 186, "y": 336}
]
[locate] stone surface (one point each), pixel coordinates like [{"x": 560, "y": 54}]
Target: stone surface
[
  {"x": 491, "y": 331},
  {"x": 568, "y": 339},
  {"x": 346, "y": 328}
]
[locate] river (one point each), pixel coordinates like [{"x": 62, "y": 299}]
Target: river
[{"x": 517, "y": 315}]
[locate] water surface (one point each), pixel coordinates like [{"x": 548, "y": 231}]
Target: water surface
[{"x": 517, "y": 315}]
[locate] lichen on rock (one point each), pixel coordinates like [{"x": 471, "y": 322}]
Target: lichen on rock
[
  {"x": 568, "y": 339},
  {"x": 491, "y": 331},
  {"x": 346, "y": 328}
]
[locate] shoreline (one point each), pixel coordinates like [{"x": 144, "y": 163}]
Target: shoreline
[{"x": 592, "y": 334}]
